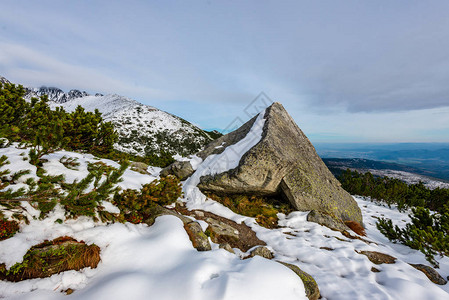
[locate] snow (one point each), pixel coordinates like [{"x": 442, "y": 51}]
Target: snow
[
  {"x": 138, "y": 261},
  {"x": 219, "y": 163},
  {"x": 142, "y": 124}
]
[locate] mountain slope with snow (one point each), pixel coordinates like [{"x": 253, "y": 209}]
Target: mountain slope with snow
[
  {"x": 143, "y": 129},
  {"x": 160, "y": 259}
]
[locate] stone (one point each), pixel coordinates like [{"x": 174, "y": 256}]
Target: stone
[
  {"x": 198, "y": 238},
  {"x": 227, "y": 247},
  {"x": 284, "y": 163},
  {"x": 378, "y": 258},
  {"x": 326, "y": 220},
  {"x": 180, "y": 169},
  {"x": 156, "y": 211},
  {"x": 221, "y": 232},
  {"x": 430, "y": 272},
  {"x": 310, "y": 285},
  {"x": 262, "y": 251},
  {"x": 236, "y": 235},
  {"x": 139, "y": 167}
]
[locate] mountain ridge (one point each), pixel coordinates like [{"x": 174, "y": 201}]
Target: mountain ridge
[{"x": 143, "y": 129}]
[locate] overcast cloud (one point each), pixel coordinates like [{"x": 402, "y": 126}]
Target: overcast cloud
[{"x": 339, "y": 62}]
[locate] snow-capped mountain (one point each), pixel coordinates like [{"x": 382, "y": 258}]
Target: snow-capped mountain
[
  {"x": 55, "y": 94},
  {"x": 142, "y": 129},
  {"x": 3, "y": 80}
]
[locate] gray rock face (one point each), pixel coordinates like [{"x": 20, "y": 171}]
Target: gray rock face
[
  {"x": 282, "y": 162},
  {"x": 326, "y": 220},
  {"x": 198, "y": 238},
  {"x": 310, "y": 285},
  {"x": 263, "y": 252},
  {"x": 4, "y": 80},
  {"x": 180, "y": 169},
  {"x": 430, "y": 272}
]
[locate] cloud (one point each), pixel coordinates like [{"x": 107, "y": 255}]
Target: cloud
[{"x": 26, "y": 66}]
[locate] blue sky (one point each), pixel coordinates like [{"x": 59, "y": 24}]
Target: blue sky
[{"x": 347, "y": 71}]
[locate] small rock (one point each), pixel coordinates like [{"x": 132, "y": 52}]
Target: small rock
[
  {"x": 310, "y": 285},
  {"x": 326, "y": 220},
  {"x": 374, "y": 270},
  {"x": 378, "y": 258},
  {"x": 262, "y": 251},
  {"x": 221, "y": 232},
  {"x": 68, "y": 291},
  {"x": 139, "y": 167},
  {"x": 199, "y": 213},
  {"x": 156, "y": 211},
  {"x": 180, "y": 169},
  {"x": 430, "y": 272},
  {"x": 199, "y": 239},
  {"x": 327, "y": 248},
  {"x": 227, "y": 247}
]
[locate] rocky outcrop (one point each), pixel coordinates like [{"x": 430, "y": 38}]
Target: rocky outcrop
[
  {"x": 3, "y": 80},
  {"x": 430, "y": 272},
  {"x": 283, "y": 163},
  {"x": 198, "y": 238},
  {"x": 196, "y": 235},
  {"x": 310, "y": 285},
  {"x": 139, "y": 167},
  {"x": 378, "y": 258},
  {"x": 180, "y": 169},
  {"x": 326, "y": 220},
  {"x": 263, "y": 252}
]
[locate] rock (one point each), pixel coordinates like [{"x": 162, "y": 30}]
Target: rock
[
  {"x": 378, "y": 258},
  {"x": 199, "y": 239},
  {"x": 310, "y": 285},
  {"x": 156, "y": 211},
  {"x": 180, "y": 169},
  {"x": 283, "y": 162},
  {"x": 262, "y": 251},
  {"x": 375, "y": 270},
  {"x": 53, "y": 257},
  {"x": 139, "y": 167},
  {"x": 236, "y": 235},
  {"x": 430, "y": 273},
  {"x": 326, "y": 220},
  {"x": 227, "y": 247},
  {"x": 220, "y": 232}
]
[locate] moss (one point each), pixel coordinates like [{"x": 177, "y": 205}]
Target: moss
[
  {"x": 53, "y": 257},
  {"x": 264, "y": 209}
]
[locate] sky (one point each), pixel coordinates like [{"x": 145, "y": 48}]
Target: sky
[{"x": 347, "y": 71}]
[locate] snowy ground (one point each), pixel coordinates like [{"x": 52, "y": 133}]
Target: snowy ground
[{"x": 159, "y": 262}]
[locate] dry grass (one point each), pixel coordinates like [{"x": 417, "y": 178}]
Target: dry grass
[
  {"x": 264, "y": 209},
  {"x": 53, "y": 257},
  {"x": 356, "y": 227}
]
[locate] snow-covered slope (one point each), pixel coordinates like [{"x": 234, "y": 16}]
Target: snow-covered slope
[
  {"x": 142, "y": 129},
  {"x": 138, "y": 261}
]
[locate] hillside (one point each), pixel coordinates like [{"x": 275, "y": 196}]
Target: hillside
[
  {"x": 410, "y": 175},
  {"x": 143, "y": 129},
  {"x": 88, "y": 227}
]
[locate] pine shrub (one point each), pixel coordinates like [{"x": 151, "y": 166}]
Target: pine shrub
[
  {"x": 427, "y": 232},
  {"x": 135, "y": 205}
]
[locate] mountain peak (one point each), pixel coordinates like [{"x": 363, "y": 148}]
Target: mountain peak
[{"x": 4, "y": 80}]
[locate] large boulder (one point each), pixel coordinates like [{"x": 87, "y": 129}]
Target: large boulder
[{"x": 282, "y": 163}]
